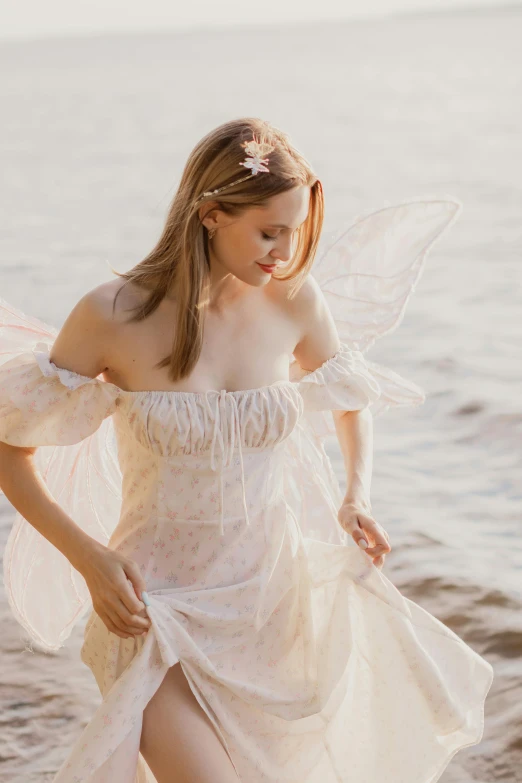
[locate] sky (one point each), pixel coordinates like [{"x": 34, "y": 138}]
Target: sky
[{"x": 26, "y": 19}]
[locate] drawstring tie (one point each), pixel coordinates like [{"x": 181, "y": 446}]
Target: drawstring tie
[{"x": 227, "y": 445}]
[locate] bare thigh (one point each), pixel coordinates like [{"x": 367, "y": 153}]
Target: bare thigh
[{"x": 178, "y": 741}]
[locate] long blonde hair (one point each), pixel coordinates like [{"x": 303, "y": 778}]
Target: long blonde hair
[{"x": 179, "y": 262}]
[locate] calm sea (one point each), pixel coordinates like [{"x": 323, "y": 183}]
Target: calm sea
[{"x": 94, "y": 136}]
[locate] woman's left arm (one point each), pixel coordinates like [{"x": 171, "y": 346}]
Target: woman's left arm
[
  {"x": 319, "y": 341},
  {"x": 355, "y": 434}
]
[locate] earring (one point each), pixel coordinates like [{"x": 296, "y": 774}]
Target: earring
[{"x": 211, "y": 233}]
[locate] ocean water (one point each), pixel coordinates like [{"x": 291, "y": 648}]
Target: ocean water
[{"x": 94, "y": 136}]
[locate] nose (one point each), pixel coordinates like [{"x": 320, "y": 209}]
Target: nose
[{"x": 283, "y": 250}]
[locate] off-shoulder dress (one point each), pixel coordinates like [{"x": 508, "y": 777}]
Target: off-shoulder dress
[{"x": 310, "y": 664}]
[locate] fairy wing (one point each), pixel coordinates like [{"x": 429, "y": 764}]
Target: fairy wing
[
  {"x": 370, "y": 270},
  {"x": 367, "y": 275},
  {"x": 79, "y": 467}
]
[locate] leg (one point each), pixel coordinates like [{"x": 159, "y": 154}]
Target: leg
[{"x": 178, "y": 741}]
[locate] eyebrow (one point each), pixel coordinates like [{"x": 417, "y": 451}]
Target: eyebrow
[{"x": 278, "y": 225}]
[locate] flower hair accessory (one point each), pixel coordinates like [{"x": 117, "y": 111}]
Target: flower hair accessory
[
  {"x": 254, "y": 161},
  {"x": 255, "y": 152}
]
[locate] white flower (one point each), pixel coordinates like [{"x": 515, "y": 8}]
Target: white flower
[
  {"x": 256, "y": 164},
  {"x": 255, "y": 152}
]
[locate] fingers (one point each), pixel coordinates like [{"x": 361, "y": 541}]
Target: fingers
[
  {"x": 371, "y": 537},
  {"x": 137, "y": 583},
  {"x": 381, "y": 547},
  {"x": 119, "y": 621},
  {"x": 128, "y": 596},
  {"x": 379, "y": 559},
  {"x": 116, "y": 584},
  {"x": 115, "y": 613},
  {"x": 131, "y": 615},
  {"x": 379, "y": 539},
  {"x": 381, "y": 543},
  {"x": 132, "y": 622},
  {"x": 114, "y": 624}
]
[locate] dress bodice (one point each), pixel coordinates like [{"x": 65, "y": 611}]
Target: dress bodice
[
  {"x": 215, "y": 427},
  {"x": 42, "y": 404},
  {"x": 45, "y": 404},
  {"x": 212, "y": 423}
]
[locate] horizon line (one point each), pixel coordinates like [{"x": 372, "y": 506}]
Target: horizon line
[{"x": 196, "y": 27}]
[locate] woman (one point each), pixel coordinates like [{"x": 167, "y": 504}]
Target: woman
[{"x": 235, "y": 632}]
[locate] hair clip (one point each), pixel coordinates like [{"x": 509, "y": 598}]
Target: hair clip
[
  {"x": 255, "y": 151},
  {"x": 254, "y": 161}
]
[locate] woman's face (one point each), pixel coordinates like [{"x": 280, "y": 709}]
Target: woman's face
[{"x": 262, "y": 235}]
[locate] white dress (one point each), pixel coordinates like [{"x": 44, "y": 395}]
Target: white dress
[{"x": 309, "y": 663}]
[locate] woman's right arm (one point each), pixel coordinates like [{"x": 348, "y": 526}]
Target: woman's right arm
[
  {"x": 26, "y": 491},
  {"x": 114, "y": 581}
]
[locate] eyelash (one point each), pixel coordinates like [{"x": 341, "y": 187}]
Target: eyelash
[{"x": 266, "y": 236}]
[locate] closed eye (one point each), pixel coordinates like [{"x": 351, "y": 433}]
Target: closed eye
[{"x": 267, "y": 236}]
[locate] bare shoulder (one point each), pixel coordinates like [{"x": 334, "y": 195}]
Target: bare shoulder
[
  {"x": 308, "y": 309},
  {"x": 93, "y": 323},
  {"x": 305, "y": 303}
]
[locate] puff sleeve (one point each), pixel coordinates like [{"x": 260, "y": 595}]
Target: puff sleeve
[
  {"x": 346, "y": 381},
  {"x": 69, "y": 418},
  {"x": 349, "y": 381},
  {"x": 342, "y": 382},
  {"x": 44, "y": 405}
]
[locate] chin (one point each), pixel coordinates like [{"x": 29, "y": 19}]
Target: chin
[
  {"x": 256, "y": 278},
  {"x": 257, "y": 282}
]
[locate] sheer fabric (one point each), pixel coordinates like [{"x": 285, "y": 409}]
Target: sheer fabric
[{"x": 308, "y": 661}]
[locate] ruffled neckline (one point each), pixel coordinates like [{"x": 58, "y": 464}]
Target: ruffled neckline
[{"x": 73, "y": 380}]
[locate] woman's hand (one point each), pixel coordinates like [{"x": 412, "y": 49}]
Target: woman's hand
[
  {"x": 354, "y": 519},
  {"x": 115, "y": 584}
]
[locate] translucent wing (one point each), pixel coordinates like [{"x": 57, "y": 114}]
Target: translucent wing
[
  {"x": 367, "y": 275},
  {"x": 370, "y": 271},
  {"x": 46, "y": 594}
]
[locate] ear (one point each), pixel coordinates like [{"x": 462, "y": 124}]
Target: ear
[{"x": 208, "y": 214}]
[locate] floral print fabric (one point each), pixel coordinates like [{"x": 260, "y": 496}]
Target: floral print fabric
[{"x": 310, "y": 664}]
